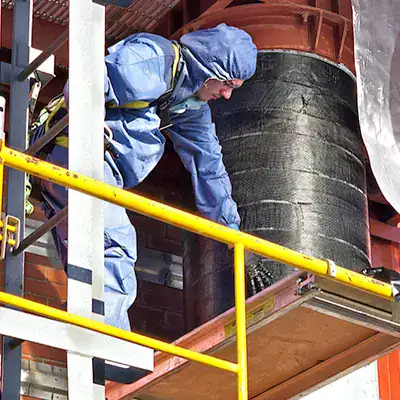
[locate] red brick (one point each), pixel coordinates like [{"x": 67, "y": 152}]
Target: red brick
[
  {"x": 147, "y": 225},
  {"x": 175, "y": 321},
  {"x": 38, "y": 214},
  {"x": 163, "y": 244},
  {"x": 46, "y": 289},
  {"x": 174, "y": 233},
  {"x": 38, "y": 299},
  {"x": 57, "y": 276},
  {"x": 151, "y": 322},
  {"x": 141, "y": 238},
  {"x": 146, "y": 320},
  {"x": 37, "y": 259},
  {"x": 57, "y": 303},
  {"x": 49, "y": 353},
  {"x": 62, "y": 364},
  {"x": 161, "y": 297},
  {"x": 35, "y": 271}
]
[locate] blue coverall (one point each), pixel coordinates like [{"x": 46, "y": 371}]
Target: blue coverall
[{"x": 140, "y": 68}]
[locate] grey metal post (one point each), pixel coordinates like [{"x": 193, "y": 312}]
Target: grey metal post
[
  {"x": 2, "y": 116},
  {"x": 14, "y": 265},
  {"x": 86, "y": 154}
]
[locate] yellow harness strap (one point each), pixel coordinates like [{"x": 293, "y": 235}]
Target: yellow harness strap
[
  {"x": 139, "y": 104},
  {"x": 57, "y": 105},
  {"x": 63, "y": 140},
  {"x": 60, "y": 103}
]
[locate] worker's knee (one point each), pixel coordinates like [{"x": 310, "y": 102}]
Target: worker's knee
[
  {"x": 119, "y": 260},
  {"x": 120, "y": 286}
]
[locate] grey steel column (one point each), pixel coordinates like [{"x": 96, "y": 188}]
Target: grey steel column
[
  {"x": 14, "y": 265},
  {"x": 2, "y": 116}
]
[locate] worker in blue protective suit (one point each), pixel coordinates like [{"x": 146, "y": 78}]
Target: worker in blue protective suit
[{"x": 139, "y": 70}]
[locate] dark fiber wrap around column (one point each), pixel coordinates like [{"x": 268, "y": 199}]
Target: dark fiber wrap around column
[{"x": 293, "y": 149}]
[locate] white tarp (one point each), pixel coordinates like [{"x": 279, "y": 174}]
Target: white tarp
[{"x": 377, "y": 55}]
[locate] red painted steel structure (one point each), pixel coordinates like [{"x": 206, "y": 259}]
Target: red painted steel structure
[{"x": 322, "y": 27}]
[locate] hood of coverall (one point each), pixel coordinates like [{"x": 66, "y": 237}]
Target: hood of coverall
[{"x": 223, "y": 52}]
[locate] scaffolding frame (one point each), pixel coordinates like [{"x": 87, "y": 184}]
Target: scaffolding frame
[
  {"x": 85, "y": 272},
  {"x": 240, "y": 240},
  {"x": 87, "y": 19}
]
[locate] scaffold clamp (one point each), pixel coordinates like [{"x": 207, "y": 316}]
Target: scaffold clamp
[
  {"x": 305, "y": 284},
  {"x": 331, "y": 268},
  {"x": 10, "y": 234}
]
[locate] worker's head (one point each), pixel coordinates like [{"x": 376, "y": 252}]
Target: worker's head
[
  {"x": 215, "y": 89},
  {"x": 219, "y": 60}
]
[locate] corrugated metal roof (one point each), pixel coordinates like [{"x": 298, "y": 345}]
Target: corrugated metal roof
[{"x": 142, "y": 15}]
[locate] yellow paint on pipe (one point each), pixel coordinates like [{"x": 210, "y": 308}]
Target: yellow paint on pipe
[
  {"x": 10, "y": 242},
  {"x": 240, "y": 302},
  {"x": 188, "y": 221},
  {"x": 59, "y": 315},
  {"x": 1, "y": 188}
]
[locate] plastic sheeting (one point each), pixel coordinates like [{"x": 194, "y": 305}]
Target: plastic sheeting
[{"x": 377, "y": 56}]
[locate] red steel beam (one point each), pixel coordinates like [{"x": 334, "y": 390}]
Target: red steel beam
[{"x": 44, "y": 33}]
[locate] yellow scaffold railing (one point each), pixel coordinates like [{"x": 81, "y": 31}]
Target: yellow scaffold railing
[{"x": 240, "y": 240}]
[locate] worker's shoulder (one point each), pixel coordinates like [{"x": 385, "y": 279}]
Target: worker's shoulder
[{"x": 146, "y": 45}]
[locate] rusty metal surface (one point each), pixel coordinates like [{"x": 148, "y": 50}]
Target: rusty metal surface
[
  {"x": 142, "y": 15},
  {"x": 321, "y": 27}
]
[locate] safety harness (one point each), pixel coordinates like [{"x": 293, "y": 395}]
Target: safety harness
[
  {"x": 57, "y": 109},
  {"x": 52, "y": 113}
]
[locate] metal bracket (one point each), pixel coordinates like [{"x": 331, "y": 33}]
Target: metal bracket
[
  {"x": 331, "y": 268},
  {"x": 305, "y": 284},
  {"x": 10, "y": 234}
]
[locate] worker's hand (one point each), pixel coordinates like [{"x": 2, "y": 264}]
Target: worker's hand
[{"x": 232, "y": 226}]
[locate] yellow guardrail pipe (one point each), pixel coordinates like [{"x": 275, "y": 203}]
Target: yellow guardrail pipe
[
  {"x": 240, "y": 303},
  {"x": 181, "y": 219},
  {"x": 59, "y": 315}
]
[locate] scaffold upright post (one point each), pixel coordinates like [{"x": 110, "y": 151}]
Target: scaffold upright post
[
  {"x": 97, "y": 146},
  {"x": 15, "y": 203},
  {"x": 86, "y": 153},
  {"x": 240, "y": 304}
]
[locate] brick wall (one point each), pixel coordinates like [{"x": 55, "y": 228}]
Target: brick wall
[{"x": 158, "y": 311}]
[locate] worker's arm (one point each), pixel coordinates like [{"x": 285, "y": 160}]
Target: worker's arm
[
  {"x": 194, "y": 138},
  {"x": 137, "y": 69}
]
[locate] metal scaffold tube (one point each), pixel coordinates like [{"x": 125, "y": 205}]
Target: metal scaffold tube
[
  {"x": 59, "y": 315},
  {"x": 240, "y": 302},
  {"x": 191, "y": 222},
  {"x": 38, "y": 233},
  {"x": 38, "y": 61},
  {"x": 48, "y": 136}
]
